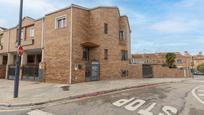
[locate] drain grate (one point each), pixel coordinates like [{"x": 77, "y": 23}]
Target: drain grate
[{"x": 65, "y": 88}]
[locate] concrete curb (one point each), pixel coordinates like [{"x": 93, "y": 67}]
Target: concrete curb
[{"x": 84, "y": 95}]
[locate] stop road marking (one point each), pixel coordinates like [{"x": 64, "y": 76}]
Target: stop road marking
[{"x": 133, "y": 104}]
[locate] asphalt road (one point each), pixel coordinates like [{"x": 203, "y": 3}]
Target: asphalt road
[{"x": 184, "y": 98}]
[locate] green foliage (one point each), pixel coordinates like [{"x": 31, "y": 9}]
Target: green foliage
[
  {"x": 170, "y": 60},
  {"x": 200, "y": 67}
]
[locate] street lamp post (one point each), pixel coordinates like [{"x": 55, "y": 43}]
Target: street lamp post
[{"x": 18, "y": 61}]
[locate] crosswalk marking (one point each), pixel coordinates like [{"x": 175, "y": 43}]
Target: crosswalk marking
[
  {"x": 198, "y": 93},
  {"x": 38, "y": 112},
  {"x": 201, "y": 90}
]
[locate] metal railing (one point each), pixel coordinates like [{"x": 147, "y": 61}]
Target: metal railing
[{"x": 30, "y": 72}]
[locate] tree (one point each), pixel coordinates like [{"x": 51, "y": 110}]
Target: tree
[
  {"x": 170, "y": 60},
  {"x": 200, "y": 67}
]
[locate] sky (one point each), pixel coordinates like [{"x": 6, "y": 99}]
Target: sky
[{"x": 157, "y": 25}]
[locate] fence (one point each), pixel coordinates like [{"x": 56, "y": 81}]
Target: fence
[{"x": 30, "y": 72}]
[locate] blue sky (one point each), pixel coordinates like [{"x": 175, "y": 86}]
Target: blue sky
[{"x": 157, "y": 25}]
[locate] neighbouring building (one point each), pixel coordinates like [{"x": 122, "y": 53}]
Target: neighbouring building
[
  {"x": 182, "y": 60},
  {"x": 70, "y": 45},
  {"x": 151, "y": 65},
  {"x": 197, "y": 60}
]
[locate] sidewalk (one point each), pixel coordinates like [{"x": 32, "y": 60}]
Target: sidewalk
[{"x": 35, "y": 93}]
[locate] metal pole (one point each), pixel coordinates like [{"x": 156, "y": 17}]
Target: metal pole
[{"x": 18, "y": 61}]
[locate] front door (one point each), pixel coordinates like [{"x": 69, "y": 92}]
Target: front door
[{"x": 93, "y": 72}]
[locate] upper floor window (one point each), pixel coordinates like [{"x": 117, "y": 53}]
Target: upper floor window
[
  {"x": 124, "y": 54},
  {"x": 60, "y": 22},
  {"x": 106, "y": 54},
  {"x": 122, "y": 35},
  {"x": 32, "y": 32},
  {"x": 22, "y": 34},
  {"x": 105, "y": 28},
  {"x": 179, "y": 61}
]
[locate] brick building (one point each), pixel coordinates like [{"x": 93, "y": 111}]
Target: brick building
[
  {"x": 70, "y": 45},
  {"x": 197, "y": 60},
  {"x": 182, "y": 60}
]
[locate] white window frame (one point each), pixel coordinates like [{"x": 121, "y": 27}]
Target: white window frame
[
  {"x": 32, "y": 32},
  {"x": 59, "y": 18},
  {"x": 22, "y": 34}
]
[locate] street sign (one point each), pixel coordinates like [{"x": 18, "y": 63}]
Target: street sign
[{"x": 20, "y": 50}]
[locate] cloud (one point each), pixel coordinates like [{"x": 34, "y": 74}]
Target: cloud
[
  {"x": 31, "y": 5},
  {"x": 190, "y": 4},
  {"x": 176, "y": 26},
  {"x": 92, "y": 3},
  {"x": 135, "y": 18}
]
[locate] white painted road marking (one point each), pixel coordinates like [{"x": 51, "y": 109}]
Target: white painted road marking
[
  {"x": 168, "y": 109},
  {"x": 197, "y": 95},
  {"x": 133, "y": 104},
  {"x": 201, "y": 90},
  {"x": 147, "y": 111},
  {"x": 38, "y": 112},
  {"x": 201, "y": 95}
]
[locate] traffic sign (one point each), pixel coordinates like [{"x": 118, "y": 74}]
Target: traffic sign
[{"x": 20, "y": 50}]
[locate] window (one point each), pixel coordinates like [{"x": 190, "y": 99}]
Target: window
[
  {"x": 32, "y": 32},
  {"x": 105, "y": 28},
  {"x": 179, "y": 61},
  {"x": 60, "y": 22},
  {"x": 5, "y": 58},
  {"x": 22, "y": 34},
  {"x": 124, "y": 54},
  {"x": 121, "y": 35},
  {"x": 31, "y": 59},
  {"x": 106, "y": 54},
  {"x": 86, "y": 54}
]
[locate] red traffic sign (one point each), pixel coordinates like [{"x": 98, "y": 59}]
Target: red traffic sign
[{"x": 20, "y": 50}]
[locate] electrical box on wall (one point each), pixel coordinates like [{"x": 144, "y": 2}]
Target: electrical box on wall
[{"x": 77, "y": 66}]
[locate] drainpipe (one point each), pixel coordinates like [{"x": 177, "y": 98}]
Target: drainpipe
[
  {"x": 8, "y": 45},
  {"x": 70, "y": 50},
  {"x": 42, "y": 39},
  {"x": 42, "y": 65}
]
